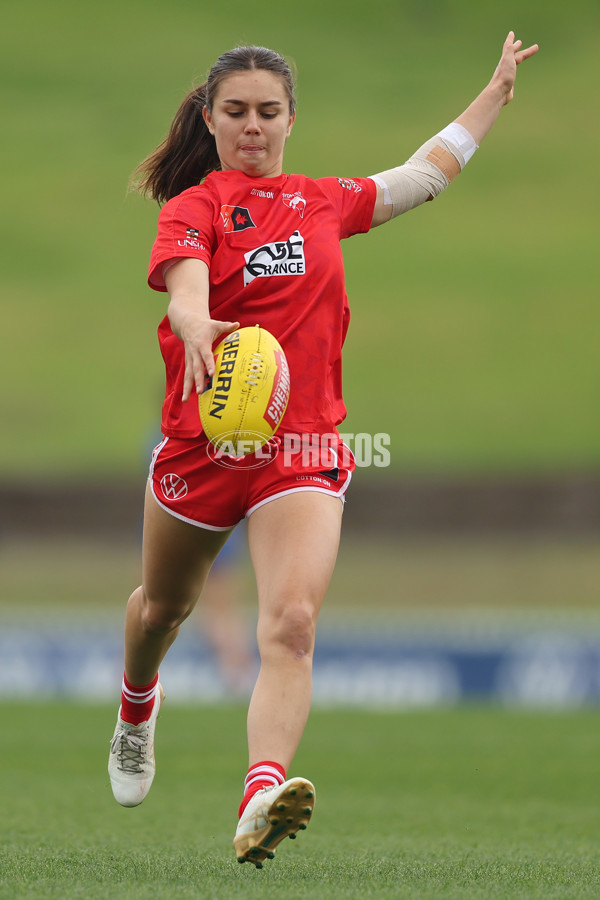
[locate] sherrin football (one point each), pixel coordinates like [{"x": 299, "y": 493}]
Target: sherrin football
[{"x": 247, "y": 396}]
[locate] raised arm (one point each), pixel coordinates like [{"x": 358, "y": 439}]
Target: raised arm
[
  {"x": 189, "y": 317},
  {"x": 431, "y": 169}
]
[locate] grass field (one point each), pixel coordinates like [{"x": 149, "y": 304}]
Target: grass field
[
  {"x": 451, "y": 804},
  {"x": 477, "y": 315},
  {"x": 470, "y": 803}
]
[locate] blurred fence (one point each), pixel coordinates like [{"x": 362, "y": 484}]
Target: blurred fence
[
  {"x": 547, "y": 665},
  {"x": 565, "y": 504}
]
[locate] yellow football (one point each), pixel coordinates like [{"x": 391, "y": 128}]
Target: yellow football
[{"x": 248, "y": 394}]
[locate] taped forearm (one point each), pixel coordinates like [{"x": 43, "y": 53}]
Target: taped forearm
[{"x": 429, "y": 171}]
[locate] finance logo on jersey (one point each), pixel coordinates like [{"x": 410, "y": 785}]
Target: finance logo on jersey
[
  {"x": 295, "y": 201},
  {"x": 278, "y": 258},
  {"x": 236, "y": 218}
]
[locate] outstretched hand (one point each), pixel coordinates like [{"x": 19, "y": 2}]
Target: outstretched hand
[
  {"x": 481, "y": 114},
  {"x": 506, "y": 70}
]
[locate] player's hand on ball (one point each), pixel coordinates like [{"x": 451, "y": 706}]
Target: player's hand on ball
[{"x": 199, "y": 335}]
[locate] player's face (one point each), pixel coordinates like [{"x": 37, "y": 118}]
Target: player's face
[{"x": 251, "y": 122}]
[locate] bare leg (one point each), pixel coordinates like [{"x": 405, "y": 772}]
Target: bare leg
[
  {"x": 293, "y": 543},
  {"x": 176, "y": 560}
]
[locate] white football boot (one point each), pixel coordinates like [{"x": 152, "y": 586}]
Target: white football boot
[
  {"x": 131, "y": 763},
  {"x": 271, "y": 815}
]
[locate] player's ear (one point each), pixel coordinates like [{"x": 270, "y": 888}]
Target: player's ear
[
  {"x": 208, "y": 119},
  {"x": 291, "y": 125}
]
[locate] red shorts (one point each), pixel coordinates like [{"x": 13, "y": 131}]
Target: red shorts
[{"x": 195, "y": 483}]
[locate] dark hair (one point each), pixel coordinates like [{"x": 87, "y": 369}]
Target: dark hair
[{"x": 189, "y": 152}]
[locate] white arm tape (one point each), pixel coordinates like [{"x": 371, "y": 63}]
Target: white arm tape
[
  {"x": 461, "y": 138},
  {"x": 429, "y": 171}
]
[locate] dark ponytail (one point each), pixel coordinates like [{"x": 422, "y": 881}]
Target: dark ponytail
[
  {"x": 184, "y": 158},
  {"x": 189, "y": 152}
]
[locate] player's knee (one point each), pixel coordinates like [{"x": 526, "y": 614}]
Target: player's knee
[
  {"x": 160, "y": 616},
  {"x": 159, "y": 621},
  {"x": 291, "y": 630}
]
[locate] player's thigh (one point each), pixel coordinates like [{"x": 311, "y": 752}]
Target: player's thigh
[
  {"x": 294, "y": 541},
  {"x": 176, "y": 557}
]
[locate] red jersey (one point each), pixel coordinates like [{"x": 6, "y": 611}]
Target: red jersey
[{"x": 273, "y": 249}]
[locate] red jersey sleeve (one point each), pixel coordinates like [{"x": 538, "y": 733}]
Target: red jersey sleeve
[
  {"x": 354, "y": 199},
  {"x": 185, "y": 229}
]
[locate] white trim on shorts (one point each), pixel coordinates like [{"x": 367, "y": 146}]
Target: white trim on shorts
[
  {"x": 185, "y": 518},
  {"x": 172, "y": 512},
  {"x": 155, "y": 453},
  {"x": 339, "y": 494}
]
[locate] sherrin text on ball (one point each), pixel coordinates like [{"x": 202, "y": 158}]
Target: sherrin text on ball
[{"x": 248, "y": 394}]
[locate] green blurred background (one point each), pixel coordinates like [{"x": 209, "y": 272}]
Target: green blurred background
[{"x": 475, "y": 319}]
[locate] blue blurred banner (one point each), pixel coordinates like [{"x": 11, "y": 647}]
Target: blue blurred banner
[{"x": 550, "y": 666}]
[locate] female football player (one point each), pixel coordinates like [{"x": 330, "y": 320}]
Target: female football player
[{"x": 240, "y": 242}]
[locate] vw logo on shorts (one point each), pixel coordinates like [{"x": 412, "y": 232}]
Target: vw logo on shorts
[
  {"x": 173, "y": 487},
  {"x": 253, "y": 452}
]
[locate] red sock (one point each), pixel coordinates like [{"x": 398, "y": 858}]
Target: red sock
[
  {"x": 137, "y": 702},
  {"x": 261, "y": 775}
]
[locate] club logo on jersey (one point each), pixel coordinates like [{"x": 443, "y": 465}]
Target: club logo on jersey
[
  {"x": 236, "y": 218},
  {"x": 295, "y": 201},
  {"x": 350, "y": 185},
  {"x": 192, "y": 233},
  {"x": 278, "y": 258}
]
